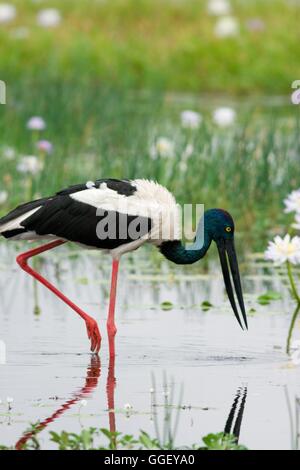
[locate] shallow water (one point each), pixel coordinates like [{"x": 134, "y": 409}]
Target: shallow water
[{"x": 49, "y": 369}]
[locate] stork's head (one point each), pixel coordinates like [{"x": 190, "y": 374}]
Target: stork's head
[{"x": 219, "y": 226}]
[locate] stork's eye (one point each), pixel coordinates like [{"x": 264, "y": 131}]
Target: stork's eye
[{"x": 228, "y": 229}]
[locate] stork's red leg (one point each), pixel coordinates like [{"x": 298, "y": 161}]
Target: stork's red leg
[
  {"x": 111, "y": 326},
  {"x": 91, "y": 324},
  {"x": 110, "y": 391}
]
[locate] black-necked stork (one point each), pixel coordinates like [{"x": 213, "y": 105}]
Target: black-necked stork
[{"x": 119, "y": 216}]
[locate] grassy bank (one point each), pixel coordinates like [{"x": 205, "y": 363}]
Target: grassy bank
[{"x": 161, "y": 44}]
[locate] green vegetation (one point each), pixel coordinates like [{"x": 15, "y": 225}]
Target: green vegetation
[
  {"x": 88, "y": 78},
  {"x": 164, "y": 44},
  {"x": 97, "y": 132},
  {"x": 91, "y": 439},
  {"x": 268, "y": 297}
]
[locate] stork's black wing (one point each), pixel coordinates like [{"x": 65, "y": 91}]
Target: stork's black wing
[{"x": 79, "y": 222}]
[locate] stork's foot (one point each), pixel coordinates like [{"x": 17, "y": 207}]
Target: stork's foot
[{"x": 93, "y": 334}]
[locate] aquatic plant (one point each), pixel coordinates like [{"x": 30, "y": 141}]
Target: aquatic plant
[
  {"x": 286, "y": 251},
  {"x": 91, "y": 439}
]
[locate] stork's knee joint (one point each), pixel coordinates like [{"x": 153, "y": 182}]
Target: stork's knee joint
[{"x": 22, "y": 261}]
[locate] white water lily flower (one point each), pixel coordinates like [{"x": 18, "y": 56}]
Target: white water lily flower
[
  {"x": 30, "y": 164},
  {"x": 7, "y": 12},
  {"x": 190, "y": 119},
  {"x": 284, "y": 249},
  {"x": 163, "y": 147},
  {"x": 49, "y": 18},
  {"x": 296, "y": 223},
  {"x": 227, "y": 26},
  {"x": 292, "y": 202},
  {"x": 224, "y": 116},
  {"x": 36, "y": 123},
  {"x": 3, "y": 197},
  {"x": 218, "y": 7}
]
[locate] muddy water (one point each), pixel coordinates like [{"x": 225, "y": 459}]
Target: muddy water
[{"x": 49, "y": 370}]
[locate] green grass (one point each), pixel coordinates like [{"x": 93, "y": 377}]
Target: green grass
[
  {"x": 102, "y": 132},
  {"x": 161, "y": 44}
]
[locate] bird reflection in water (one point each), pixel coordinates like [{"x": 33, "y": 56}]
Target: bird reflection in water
[
  {"x": 232, "y": 426},
  {"x": 91, "y": 381},
  {"x": 235, "y": 417}
]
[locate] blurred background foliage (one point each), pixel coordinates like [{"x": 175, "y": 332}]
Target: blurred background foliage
[
  {"x": 110, "y": 79},
  {"x": 162, "y": 44}
]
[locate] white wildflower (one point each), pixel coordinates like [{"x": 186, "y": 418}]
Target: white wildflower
[
  {"x": 163, "y": 147},
  {"x": 190, "y": 119},
  {"x": 3, "y": 197},
  {"x": 224, "y": 116},
  {"x": 49, "y": 18},
  {"x": 218, "y": 7},
  {"x": 292, "y": 202},
  {"x": 7, "y": 12},
  {"x": 284, "y": 249},
  {"x": 188, "y": 151},
  {"x": 9, "y": 153},
  {"x": 30, "y": 164},
  {"x": 227, "y": 26}
]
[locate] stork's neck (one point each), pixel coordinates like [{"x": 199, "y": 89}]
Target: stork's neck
[{"x": 175, "y": 251}]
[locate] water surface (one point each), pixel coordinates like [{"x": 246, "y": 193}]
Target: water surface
[{"x": 49, "y": 369}]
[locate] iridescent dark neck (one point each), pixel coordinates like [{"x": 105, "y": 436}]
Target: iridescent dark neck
[{"x": 175, "y": 251}]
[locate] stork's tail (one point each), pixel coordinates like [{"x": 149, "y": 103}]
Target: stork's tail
[{"x": 11, "y": 224}]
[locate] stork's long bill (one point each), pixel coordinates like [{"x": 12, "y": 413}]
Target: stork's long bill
[{"x": 228, "y": 256}]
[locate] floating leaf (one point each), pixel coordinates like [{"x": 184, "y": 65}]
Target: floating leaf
[
  {"x": 268, "y": 297},
  {"x": 166, "y": 305},
  {"x": 206, "y": 305}
]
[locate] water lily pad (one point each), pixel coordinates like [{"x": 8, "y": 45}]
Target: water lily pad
[
  {"x": 268, "y": 297},
  {"x": 206, "y": 305},
  {"x": 166, "y": 305}
]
